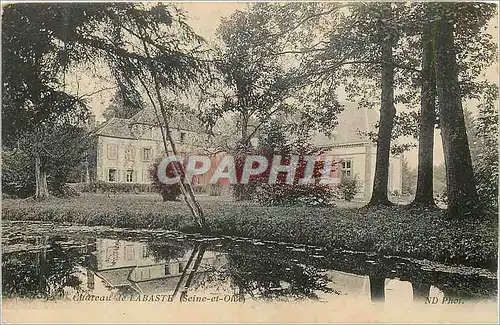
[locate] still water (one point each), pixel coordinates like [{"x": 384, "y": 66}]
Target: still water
[{"x": 57, "y": 261}]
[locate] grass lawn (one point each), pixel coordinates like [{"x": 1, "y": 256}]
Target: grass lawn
[{"x": 395, "y": 230}]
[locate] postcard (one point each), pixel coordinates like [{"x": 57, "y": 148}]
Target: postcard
[{"x": 248, "y": 162}]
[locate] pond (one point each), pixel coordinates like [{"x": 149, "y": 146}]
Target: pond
[{"x": 59, "y": 261}]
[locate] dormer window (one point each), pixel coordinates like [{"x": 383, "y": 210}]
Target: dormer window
[{"x": 182, "y": 136}]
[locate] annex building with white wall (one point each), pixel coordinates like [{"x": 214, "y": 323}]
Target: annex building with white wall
[{"x": 355, "y": 153}]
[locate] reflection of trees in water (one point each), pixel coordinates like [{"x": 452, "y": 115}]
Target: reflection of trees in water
[
  {"x": 470, "y": 287},
  {"x": 377, "y": 288},
  {"x": 271, "y": 278},
  {"x": 166, "y": 252},
  {"x": 162, "y": 251},
  {"x": 196, "y": 256},
  {"x": 42, "y": 274}
]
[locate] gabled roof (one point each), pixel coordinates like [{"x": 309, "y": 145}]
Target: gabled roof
[
  {"x": 117, "y": 277},
  {"x": 116, "y": 127},
  {"x": 158, "y": 286},
  {"x": 133, "y": 128},
  {"x": 179, "y": 120},
  {"x": 145, "y": 117}
]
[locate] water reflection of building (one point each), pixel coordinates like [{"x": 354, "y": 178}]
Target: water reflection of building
[
  {"x": 392, "y": 291},
  {"x": 132, "y": 267}
]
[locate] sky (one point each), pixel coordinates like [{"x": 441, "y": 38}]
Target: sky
[{"x": 204, "y": 17}]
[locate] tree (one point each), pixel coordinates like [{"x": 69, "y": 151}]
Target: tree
[
  {"x": 33, "y": 67},
  {"x": 360, "y": 54},
  {"x": 258, "y": 80},
  {"x": 424, "y": 194},
  {"x": 59, "y": 151},
  {"x": 386, "y": 40},
  {"x": 143, "y": 46},
  {"x": 475, "y": 51},
  {"x": 121, "y": 108},
  {"x": 169, "y": 192},
  {"x": 460, "y": 181},
  {"x": 482, "y": 134}
]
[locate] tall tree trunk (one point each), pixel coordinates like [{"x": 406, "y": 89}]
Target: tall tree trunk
[
  {"x": 186, "y": 188},
  {"x": 424, "y": 193},
  {"x": 460, "y": 182},
  {"x": 42, "y": 190},
  {"x": 242, "y": 192},
  {"x": 87, "y": 172},
  {"x": 244, "y": 132},
  {"x": 387, "y": 113}
]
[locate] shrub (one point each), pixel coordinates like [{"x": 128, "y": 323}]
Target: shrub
[
  {"x": 483, "y": 142},
  {"x": 294, "y": 193},
  {"x": 348, "y": 187},
  {"x": 105, "y": 187},
  {"x": 314, "y": 195},
  {"x": 247, "y": 191},
  {"x": 18, "y": 174},
  {"x": 65, "y": 191},
  {"x": 214, "y": 189},
  {"x": 169, "y": 192},
  {"x": 486, "y": 174}
]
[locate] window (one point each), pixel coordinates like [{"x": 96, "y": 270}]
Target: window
[
  {"x": 129, "y": 176},
  {"x": 129, "y": 253},
  {"x": 167, "y": 269},
  {"x": 145, "y": 252},
  {"x": 112, "y": 151},
  {"x": 147, "y": 154},
  {"x": 130, "y": 154},
  {"x": 112, "y": 174},
  {"x": 183, "y": 136},
  {"x": 182, "y": 266},
  {"x": 110, "y": 254},
  {"x": 346, "y": 169},
  {"x": 145, "y": 274}
]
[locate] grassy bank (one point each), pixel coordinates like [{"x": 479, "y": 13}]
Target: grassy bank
[{"x": 392, "y": 231}]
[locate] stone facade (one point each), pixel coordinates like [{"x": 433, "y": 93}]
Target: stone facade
[{"x": 127, "y": 148}]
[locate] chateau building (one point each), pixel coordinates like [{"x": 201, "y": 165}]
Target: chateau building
[{"x": 126, "y": 148}]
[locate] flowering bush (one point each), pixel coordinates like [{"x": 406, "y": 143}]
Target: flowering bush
[
  {"x": 169, "y": 192},
  {"x": 283, "y": 193}
]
